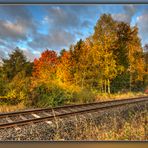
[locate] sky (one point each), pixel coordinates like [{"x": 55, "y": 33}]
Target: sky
[{"x": 35, "y": 28}]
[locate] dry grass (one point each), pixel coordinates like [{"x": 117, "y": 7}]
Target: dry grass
[
  {"x": 129, "y": 131},
  {"x": 106, "y": 97},
  {"x": 108, "y": 127},
  {"x": 11, "y": 108}
]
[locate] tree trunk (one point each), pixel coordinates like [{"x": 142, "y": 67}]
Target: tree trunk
[
  {"x": 82, "y": 82},
  {"x": 108, "y": 86},
  {"x": 102, "y": 87},
  {"x": 130, "y": 82},
  {"x": 105, "y": 86}
]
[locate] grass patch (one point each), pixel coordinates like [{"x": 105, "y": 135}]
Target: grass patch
[
  {"x": 117, "y": 96},
  {"x": 11, "y": 108}
]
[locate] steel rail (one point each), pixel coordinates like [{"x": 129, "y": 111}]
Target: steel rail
[
  {"x": 41, "y": 119},
  {"x": 2, "y": 115}
]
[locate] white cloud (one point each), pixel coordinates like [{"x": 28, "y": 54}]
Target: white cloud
[
  {"x": 142, "y": 22},
  {"x": 14, "y": 27},
  {"x": 122, "y": 17}
]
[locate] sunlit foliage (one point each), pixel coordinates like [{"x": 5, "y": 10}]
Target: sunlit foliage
[{"x": 110, "y": 60}]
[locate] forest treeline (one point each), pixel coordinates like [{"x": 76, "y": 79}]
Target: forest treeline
[{"x": 110, "y": 60}]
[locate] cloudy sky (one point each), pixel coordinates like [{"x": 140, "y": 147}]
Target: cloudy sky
[{"x": 33, "y": 28}]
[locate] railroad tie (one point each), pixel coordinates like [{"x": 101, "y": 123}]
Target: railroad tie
[
  {"x": 47, "y": 114},
  {"x": 64, "y": 111},
  {"x": 35, "y": 115},
  {"x": 10, "y": 121},
  {"x": 73, "y": 110},
  {"x": 23, "y": 118},
  {"x": 55, "y": 112},
  {"x": 82, "y": 108}
]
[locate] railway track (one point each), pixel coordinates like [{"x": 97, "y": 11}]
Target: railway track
[{"x": 16, "y": 119}]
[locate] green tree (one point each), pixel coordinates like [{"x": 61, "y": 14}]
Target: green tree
[
  {"x": 87, "y": 75},
  {"x": 135, "y": 57},
  {"x": 75, "y": 52},
  {"x": 16, "y": 63},
  {"x": 62, "y": 52},
  {"x": 15, "y": 73},
  {"x": 146, "y": 57},
  {"x": 2, "y": 83},
  {"x": 129, "y": 55}
]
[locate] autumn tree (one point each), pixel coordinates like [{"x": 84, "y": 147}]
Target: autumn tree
[
  {"x": 136, "y": 63},
  {"x": 75, "y": 52},
  {"x": 87, "y": 74},
  {"x": 117, "y": 51},
  {"x": 122, "y": 81},
  {"x": 2, "y": 82},
  {"x": 104, "y": 40},
  {"x": 45, "y": 67},
  {"x": 146, "y": 64},
  {"x": 128, "y": 56},
  {"x": 130, "y": 52},
  {"x": 64, "y": 67},
  {"x": 146, "y": 57}
]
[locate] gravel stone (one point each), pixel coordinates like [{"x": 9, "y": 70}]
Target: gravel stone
[{"x": 65, "y": 126}]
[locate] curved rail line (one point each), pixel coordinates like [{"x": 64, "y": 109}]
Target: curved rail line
[{"x": 50, "y": 113}]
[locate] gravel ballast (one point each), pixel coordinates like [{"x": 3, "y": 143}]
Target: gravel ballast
[{"x": 65, "y": 127}]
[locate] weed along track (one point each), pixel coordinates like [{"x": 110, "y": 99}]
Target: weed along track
[{"x": 18, "y": 119}]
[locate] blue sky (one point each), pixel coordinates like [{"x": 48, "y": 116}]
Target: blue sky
[{"x": 34, "y": 28}]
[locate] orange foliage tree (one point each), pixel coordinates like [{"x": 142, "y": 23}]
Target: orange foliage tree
[
  {"x": 63, "y": 72},
  {"x": 45, "y": 67}
]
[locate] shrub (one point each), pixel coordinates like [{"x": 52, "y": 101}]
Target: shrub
[
  {"x": 84, "y": 96},
  {"x": 46, "y": 95},
  {"x": 18, "y": 89}
]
